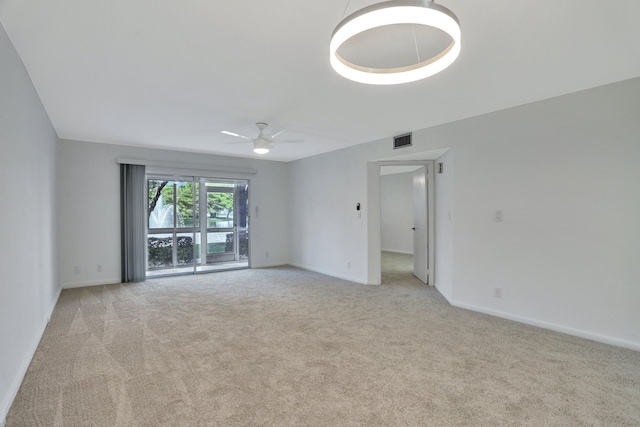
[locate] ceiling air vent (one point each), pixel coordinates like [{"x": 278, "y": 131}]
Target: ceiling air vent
[{"x": 402, "y": 141}]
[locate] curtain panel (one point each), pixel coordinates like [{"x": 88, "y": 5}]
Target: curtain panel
[{"x": 132, "y": 214}]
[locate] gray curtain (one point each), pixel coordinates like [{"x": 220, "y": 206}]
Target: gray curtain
[{"x": 132, "y": 214}]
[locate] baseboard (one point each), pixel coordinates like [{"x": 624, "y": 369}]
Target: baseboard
[
  {"x": 53, "y": 307},
  {"x": 447, "y": 297},
  {"x": 397, "y": 252},
  {"x": 551, "y": 326},
  {"x": 91, "y": 283},
  {"x": 329, "y": 273},
  {"x": 268, "y": 265},
  {"x": 22, "y": 371}
]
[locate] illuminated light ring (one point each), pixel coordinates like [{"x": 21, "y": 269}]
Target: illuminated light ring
[{"x": 389, "y": 13}]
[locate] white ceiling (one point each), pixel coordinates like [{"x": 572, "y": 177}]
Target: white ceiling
[{"x": 174, "y": 74}]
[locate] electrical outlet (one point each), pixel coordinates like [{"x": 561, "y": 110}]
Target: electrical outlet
[
  {"x": 266, "y": 254},
  {"x": 497, "y": 292},
  {"x": 99, "y": 268},
  {"x": 77, "y": 270},
  {"x": 349, "y": 264}
]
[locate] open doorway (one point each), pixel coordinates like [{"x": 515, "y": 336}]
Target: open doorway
[
  {"x": 374, "y": 247},
  {"x": 396, "y": 223},
  {"x": 441, "y": 219},
  {"x": 406, "y": 222}
]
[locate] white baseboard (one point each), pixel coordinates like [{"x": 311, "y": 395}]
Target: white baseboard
[
  {"x": 53, "y": 307},
  {"x": 22, "y": 371},
  {"x": 330, "y": 273},
  {"x": 551, "y": 326},
  {"x": 91, "y": 283},
  {"x": 267, "y": 265},
  {"x": 447, "y": 297},
  {"x": 395, "y": 251}
]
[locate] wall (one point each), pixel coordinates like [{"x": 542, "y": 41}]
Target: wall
[
  {"x": 565, "y": 174},
  {"x": 396, "y": 202},
  {"x": 564, "y": 171},
  {"x": 444, "y": 224},
  {"x": 326, "y": 234},
  {"x": 89, "y": 207},
  {"x": 28, "y": 289}
]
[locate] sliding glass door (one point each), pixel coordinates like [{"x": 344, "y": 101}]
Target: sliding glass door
[{"x": 179, "y": 242}]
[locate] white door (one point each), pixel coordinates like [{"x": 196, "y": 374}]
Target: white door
[{"x": 420, "y": 226}]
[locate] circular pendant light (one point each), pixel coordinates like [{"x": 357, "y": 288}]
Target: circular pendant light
[{"x": 418, "y": 12}]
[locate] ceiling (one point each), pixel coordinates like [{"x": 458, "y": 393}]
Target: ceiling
[{"x": 175, "y": 74}]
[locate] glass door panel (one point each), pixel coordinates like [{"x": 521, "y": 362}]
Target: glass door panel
[
  {"x": 221, "y": 227},
  {"x": 171, "y": 224},
  {"x": 243, "y": 206},
  {"x": 197, "y": 249},
  {"x": 243, "y": 244},
  {"x": 184, "y": 249},
  {"x": 187, "y": 212},
  {"x": 220, "y": 247},
  {"x": 219, "y": 207},
  {"x": 160, "y": 251},
  {"x": 160, "y": 204},
  {"x": 242, "y": 226}
]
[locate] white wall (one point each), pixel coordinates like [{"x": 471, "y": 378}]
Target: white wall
[
  {"x": 396, "y": 203},
  {"x": 28, "y": 288},
  {"x": 565, "y": 173},
  {"x": 326, "y": 234},
  {"x": 89, "y": 207},
  {"x": 444, "y": 225}
]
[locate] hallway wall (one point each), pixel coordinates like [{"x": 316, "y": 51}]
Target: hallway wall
[{"x": 396, "y": 202}]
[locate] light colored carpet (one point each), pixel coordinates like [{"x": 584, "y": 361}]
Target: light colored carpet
[{"x": 288, "y": 347}]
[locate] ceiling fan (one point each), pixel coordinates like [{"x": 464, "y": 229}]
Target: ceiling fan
[{"x": 262, "y": 143}]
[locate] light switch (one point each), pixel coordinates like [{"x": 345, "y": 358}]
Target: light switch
[{"x": 498, "y": 216}]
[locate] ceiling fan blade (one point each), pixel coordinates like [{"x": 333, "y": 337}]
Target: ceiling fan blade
[
  {"x": 226, "y": 132},
  {"x": 239, "y": 142},
  {"x": 275, "y": 133}
]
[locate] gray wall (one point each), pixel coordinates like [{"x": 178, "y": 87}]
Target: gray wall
[
  {"x": 28, "y": 289},
  {"x": 89, "y": 207},
  {"x": 444, "y": 225},
  {"x": 396, "y": 216},
  {"x": 565, "y": 173}
]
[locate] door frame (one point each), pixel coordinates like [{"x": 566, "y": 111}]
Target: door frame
[{"x": 374, "y": 216}]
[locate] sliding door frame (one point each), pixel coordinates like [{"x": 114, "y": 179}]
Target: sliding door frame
[{"x": 200, "y": 226}]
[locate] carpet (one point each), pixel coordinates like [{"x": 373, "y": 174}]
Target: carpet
[{"x": 288, "y": 347}]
